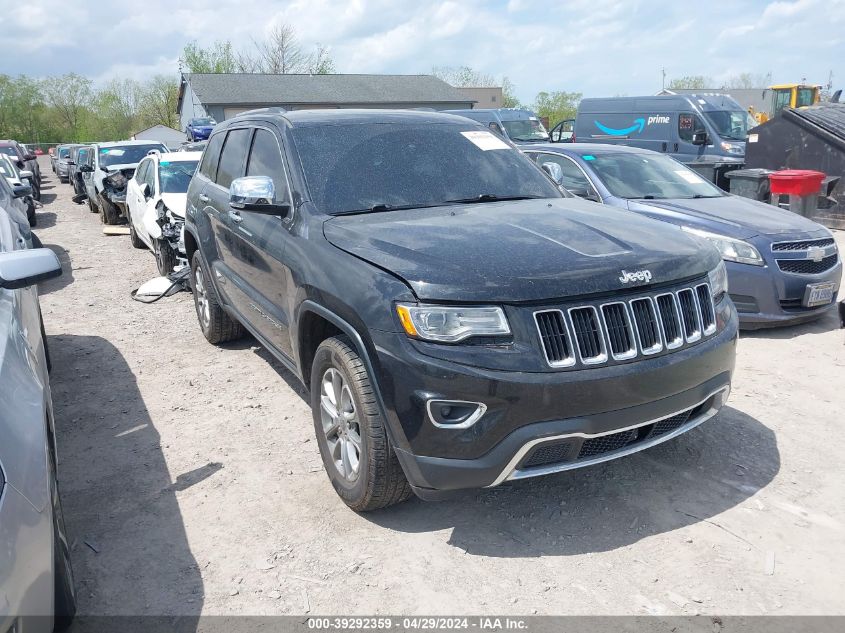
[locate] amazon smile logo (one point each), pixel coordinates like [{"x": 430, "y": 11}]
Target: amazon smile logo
[{"x": 637, "y": 128}]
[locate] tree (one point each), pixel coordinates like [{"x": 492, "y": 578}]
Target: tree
[
  {"x": 690, "y": 82},
  {"x": 748, "y": 80},
  {"x": 320, "y": 62},
  {"x": 71, "y": 95},
  {"x": 280, "y": 52},
  {"x": 509, "y": 98},
  {"x": 464, "y": 77},
  {"x": 558, "y": 106},
  {"x": 158, "y": 102},
  {"x": 217, "y": 58}
]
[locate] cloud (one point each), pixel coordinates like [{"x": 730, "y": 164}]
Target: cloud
[{"x": 597, "y": 47}]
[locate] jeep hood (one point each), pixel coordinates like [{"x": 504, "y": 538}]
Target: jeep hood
[
  {"x": 733, "y": 216},
  {"x": 530, "y": 250}
]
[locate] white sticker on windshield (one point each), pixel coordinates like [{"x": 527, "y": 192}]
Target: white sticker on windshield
[
  {"x": 690, "y": 176},
  {"x": 752, "y": 138},
  {"x": 485, "y": 140},
  {"x": 115, "y": 151}
]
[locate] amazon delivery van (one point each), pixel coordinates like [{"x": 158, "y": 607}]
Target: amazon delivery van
[
  {"x": 705, "y": 127},
  {"x": 517, "y": 124}
]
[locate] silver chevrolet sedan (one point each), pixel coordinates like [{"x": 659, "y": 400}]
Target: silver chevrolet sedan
[{"x": 36, "y": 581}]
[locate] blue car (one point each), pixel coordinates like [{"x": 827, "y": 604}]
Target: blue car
[
  {"x": 782, "y": 268},
  {"x": 199, "y": 129}
]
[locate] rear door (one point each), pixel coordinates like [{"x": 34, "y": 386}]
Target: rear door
[
  {"x": 215, "y": 196},
  {"x": 259, "y": 248},
  {"x": 134, "y": 195}
]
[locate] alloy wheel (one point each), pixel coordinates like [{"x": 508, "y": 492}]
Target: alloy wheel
[
  {"x": 341, "y": 425},
  {"x": 203, "y": 305}
]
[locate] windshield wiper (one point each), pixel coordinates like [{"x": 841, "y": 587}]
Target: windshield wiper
[
  {"x": 489, "y": 197},
  {"x": 523, "y": 139},
  {"x": 701, "y": 195},
  {"x": 383, "y": 207}
]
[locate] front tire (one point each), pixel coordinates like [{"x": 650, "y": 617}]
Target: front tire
[
  {"x": 64, "y": 594},
  {"x": 216, "y": 325},
  {"x": 109, "y": 213},
  {"x": 351, "y": 432}
]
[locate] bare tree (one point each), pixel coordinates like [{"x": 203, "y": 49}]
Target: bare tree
[
  {"x": 280, "y": 52},
  {"x": 748, "y": 80},
  {"x": 464, "y": 77}
]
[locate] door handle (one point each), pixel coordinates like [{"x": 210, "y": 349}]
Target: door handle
[
  {"x": 204, "y": 198},
  {"x": 235, "y": 216}
]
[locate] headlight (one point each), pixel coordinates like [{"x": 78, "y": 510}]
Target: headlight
[
  {"x": 731, "y": 249},
  {"x": 732, "y": 148},
  {"x": 718, "y": 278},
  {"x": 451, "y": 324}
]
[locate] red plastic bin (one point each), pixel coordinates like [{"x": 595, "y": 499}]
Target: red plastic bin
[{"x": 796, "y": 182}]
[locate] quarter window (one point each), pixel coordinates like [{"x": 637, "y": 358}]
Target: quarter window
[
  {"x": 573, "y": 178},
  {"x": 233, "y": 158},
  {"x": 266, "y": 160}
]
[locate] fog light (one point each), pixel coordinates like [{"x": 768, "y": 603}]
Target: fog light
[{"x": 454, "y": 414}]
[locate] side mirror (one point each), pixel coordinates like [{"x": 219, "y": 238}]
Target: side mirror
[
  {"x": 19, "y": 269},
  {"x": 86, "y": 168},
  {"x": 30, "y": 157},
  {"x": 699, "y": 137},
  {"x": 554, "y": 172},
  {"x": 256, "y": 194},
  {"x": 21, "y": 191},
  {"x": 26, "y": 174},
  {"x": 70, "y": 162}
]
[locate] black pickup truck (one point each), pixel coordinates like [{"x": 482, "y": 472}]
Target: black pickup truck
[{"x": 459, "y": 319}]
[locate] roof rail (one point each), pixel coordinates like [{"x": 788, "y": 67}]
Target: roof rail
[{"x": 268, "y": 110}]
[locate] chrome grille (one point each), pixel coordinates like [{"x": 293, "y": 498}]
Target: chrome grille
[
  {"x": 551, "y": 326},
  {"x": 588, "y": 335},
  {"x": 802, "y": 245},
  {"x": 623, "y": 330},
  {"x": 620, "y": 335},
  {"x": 648, "y": 332}
]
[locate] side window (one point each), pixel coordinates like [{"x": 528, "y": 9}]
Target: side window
[
  {"x": 233, "y": 158},
  {"x": 150, "y": 175},
  {"x": 265, "y": 159},
  {"x": 141, "y": 171},
  {"x": 573, "y": 178},
  {"x": 688, "y": 123},
  {"x": 211, "y": 156}
]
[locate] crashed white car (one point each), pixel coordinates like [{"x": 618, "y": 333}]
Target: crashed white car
[{"x": 155, "y": 199}]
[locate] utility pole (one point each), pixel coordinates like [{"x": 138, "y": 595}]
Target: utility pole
[{"x": 663, "y": 82}]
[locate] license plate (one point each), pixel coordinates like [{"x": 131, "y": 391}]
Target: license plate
[{"x": 818, "y": 294}]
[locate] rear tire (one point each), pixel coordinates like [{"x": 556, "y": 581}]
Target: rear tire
[
  {"x": 92, "y": 206},
  {"x": 166, "y": 258},
  {"x": 63, "y": 589},
  {"x": 351, "y": 430},
  {"x": 30, "y": 214},
  {"x": 216, "y": 325}
]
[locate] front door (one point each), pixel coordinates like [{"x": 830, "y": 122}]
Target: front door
[{"x": 261, "y": 242}]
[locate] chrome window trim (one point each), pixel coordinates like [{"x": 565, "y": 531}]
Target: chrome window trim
[
  {"x": 631, "y": 353},
  {"x": 592, "y": 360},
  {"x": 677, "y": 342},
  {"x": 657, "y": 347},
  {"x": 711, "y": 329},
  {"x": 697, "y": 334},
  {"x": 569, "y": 361},
  {"x": 510, "y": 472}
]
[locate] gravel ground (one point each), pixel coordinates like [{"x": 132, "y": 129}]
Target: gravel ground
[{"x": 192, "y": 482}]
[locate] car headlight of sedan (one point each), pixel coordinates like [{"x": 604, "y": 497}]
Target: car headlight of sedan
[
  {"x": 718, "y": 279},
  {"x": 450, "y": 324},
  {"x": 731, "y": 249}
]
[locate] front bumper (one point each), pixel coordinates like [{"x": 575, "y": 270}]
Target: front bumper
[
  {"x": 765, "y": 296},
  {"x": 531, "y": 410},
  {"x": 62, "y": 170}
]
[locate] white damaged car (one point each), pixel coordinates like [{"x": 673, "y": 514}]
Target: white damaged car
[{"x": 155, "y": 199}]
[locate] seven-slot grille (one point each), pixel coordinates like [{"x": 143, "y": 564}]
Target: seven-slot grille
[{"x": 625, "y": 329}]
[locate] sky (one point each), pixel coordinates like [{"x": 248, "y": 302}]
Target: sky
[{"x": 596, "y": 47}]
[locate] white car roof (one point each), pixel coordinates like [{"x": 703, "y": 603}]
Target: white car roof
[
  {"x": 123, "y": 143},
  {"x": 175, "y": 157}
]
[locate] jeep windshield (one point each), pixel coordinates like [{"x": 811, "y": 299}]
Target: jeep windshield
[
  {"x": 358, "y": 168},
  {"x": 175, "y": 176},
  {"x": 731, "y": 124},
  {"x": 127, "y": 154},
  {"x": 650, "y": 177},
  {"x": 524, "y": 130}
]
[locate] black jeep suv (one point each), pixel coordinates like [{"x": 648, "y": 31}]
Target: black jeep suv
[{"x": 459, "y": 320}]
